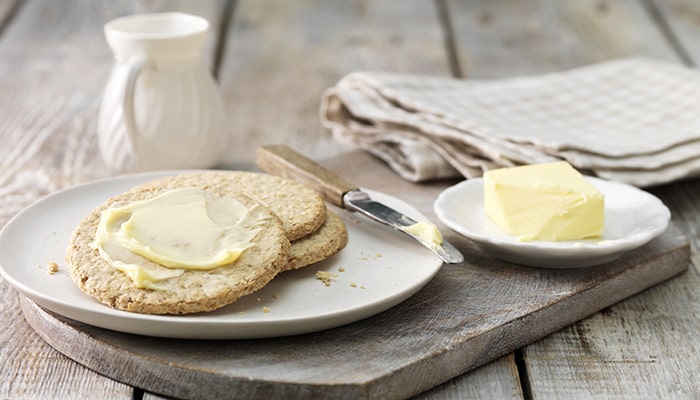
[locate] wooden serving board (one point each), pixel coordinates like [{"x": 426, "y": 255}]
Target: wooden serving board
[{"x": 468, "y": 315}]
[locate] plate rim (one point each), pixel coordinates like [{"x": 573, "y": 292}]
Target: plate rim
[
  {"x": 599, "y": 249},
  {"x": 218, "y": 328}
]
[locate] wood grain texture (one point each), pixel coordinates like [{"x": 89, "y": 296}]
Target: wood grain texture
[
  {"x": 645, "y": 342},
  {"x": 283, "y": 161},
  {"x": 50, "y": 95},
  {"x": 54, "y": 63},
  {"x": 492, "y": 381},
  {"x": 7, "y": 10},
  {"x": 31, "y": 369},
  {"x": 680, "y": 21},
  {"x": 504, "y": 38},
  {"x": 631, "y": 350},
  {"x": 373, "y": 35},
  {"x": 281, "y": 56},
  {"x": 278, "y": 58},
  {"x": 465, "y": 317}
]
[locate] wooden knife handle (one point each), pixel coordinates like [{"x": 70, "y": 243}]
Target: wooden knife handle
[{"x": 283, "y": 161}]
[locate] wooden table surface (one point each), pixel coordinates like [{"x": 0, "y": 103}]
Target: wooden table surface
[{"x": 272, "y": 60}]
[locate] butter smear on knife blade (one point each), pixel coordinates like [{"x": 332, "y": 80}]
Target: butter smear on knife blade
[
  {"x": 427, "y": 233},
  {"x": 551, "y": 202}
]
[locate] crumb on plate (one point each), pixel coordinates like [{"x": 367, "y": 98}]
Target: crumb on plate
[
  {"x": 52, "y": 267},
  {"x": 325, "y": 277}
]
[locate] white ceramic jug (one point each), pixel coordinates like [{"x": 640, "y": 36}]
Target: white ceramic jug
[{"x": 161, "y": 108}]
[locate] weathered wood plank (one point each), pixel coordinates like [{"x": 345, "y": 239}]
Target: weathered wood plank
[
  {"x": 494, "y": 380},
  {"x": 281, "y": 56},
  {"x": 641, "y": 348},
  {"x": 79, "y": 160},
  {"x": 281, "y": 122},
  {"x": 504, "y": 38},
  {"x": 468, "y": 315},
  {"x": 488, "y": 381},
  {"x": 632, "y": 349},
  {"x": 53, "y": 64},
  {"x": 318, "y": 43},
  {"x": 31, "y": 369},
  {"x": 7, "y": 8},
  {"x": 682, "y": 20}
]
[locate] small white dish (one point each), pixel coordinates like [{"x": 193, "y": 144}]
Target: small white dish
[{"x": 633, "y": 217}]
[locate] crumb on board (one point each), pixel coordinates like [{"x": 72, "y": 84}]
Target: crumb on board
[
  {"x": 266, "y": 309},
  {"x": 353, "y": 284},
  {"x": 341, "y": 269},
  {"x": 325, "y": 277},
  {"x": 277, "y": 295},
  {"x": 52, "y": 267}
]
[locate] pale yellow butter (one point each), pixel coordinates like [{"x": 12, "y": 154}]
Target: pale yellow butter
[
  {"x": 157, "y": 239},
  {"x": 551, "y": 202},
  {"x": 427, "y": 233}
]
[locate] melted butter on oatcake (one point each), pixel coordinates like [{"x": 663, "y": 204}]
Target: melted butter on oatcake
[{"x": 157, "y": 239}]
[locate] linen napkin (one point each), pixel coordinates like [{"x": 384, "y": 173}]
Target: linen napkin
[{"x": 632, "y": 120}]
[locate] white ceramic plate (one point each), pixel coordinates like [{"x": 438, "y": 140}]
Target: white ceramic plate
[
  {"x": 632, "y": 218},
  {"x": 381, "y": 268}
]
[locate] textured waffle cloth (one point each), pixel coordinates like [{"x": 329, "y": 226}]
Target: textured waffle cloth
[{"x": 633, "y": 120}]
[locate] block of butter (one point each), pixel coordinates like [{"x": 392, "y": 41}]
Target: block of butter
[{"x": 551, "y": 202}]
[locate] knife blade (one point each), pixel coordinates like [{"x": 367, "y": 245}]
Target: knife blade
[{"x": 283, "y": 161}]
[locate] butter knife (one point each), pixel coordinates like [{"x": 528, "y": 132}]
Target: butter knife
[{"x": 283, "y": 161}]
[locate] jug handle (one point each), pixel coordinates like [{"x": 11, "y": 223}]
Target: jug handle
[{"x": 134, "y": 67}]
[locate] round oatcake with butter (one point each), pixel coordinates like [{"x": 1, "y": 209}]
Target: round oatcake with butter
[
  {"x": 329, "y": 239},
  {"x": 300, "y": 208},
  {"x": 192, "y": 290}
]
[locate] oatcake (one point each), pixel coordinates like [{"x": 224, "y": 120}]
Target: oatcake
[
  {"x": 329, "y": 239},
  {"x": 194, "y": 290},
  {"x": 291, "y": 211},
  {"x": 301, "y": 210}
]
